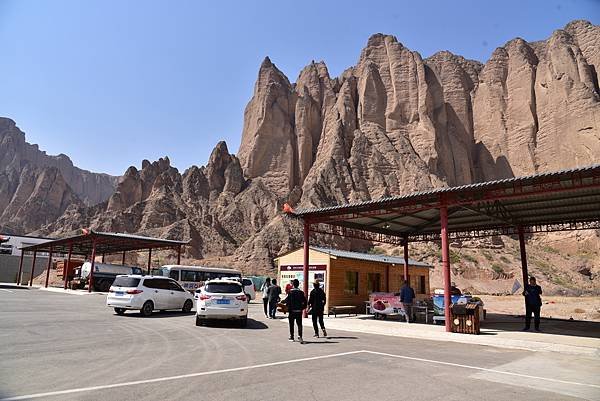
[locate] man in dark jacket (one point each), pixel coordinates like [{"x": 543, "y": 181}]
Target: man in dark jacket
[
  {"x": 273, "y": 293},
  {"x": 316, "y": 303},
  {"x": 533, "y": 304},
  {"x": 296, "y": 303},
  {"x": 407, "y": 295}
]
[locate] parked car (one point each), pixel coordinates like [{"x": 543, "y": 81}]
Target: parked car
[
  {"x": 249, "y": 288},
  {"x": 222, "y": 299},
  {"x": 147, "y": 294}
]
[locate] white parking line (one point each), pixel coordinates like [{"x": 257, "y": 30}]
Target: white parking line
[
  {"x": 264, "y": 365},
  {"x": 162, "y": 379},
  {"x": 481, "y": 369}
]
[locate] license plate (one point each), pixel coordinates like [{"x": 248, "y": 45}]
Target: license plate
[
  {"x": 119, "y": 293},
  {"x": 222, "y": 301}
]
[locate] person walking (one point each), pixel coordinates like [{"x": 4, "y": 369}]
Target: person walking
[
  {"x": 316, "y": 303},
  {"x": 265, "y": 295},
  {"x": 533, "y": 303},
  {"x": 296, "y": 303},
  {"x": 407, "y": 295},
  {"x": 273, "y": 293}
]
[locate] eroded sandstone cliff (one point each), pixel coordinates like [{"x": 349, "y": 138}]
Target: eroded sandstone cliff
[{"x": 393, "y": 123}]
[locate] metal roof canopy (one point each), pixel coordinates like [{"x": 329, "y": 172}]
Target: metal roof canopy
[
  {"x": 106, "y": 243},
  {"x": 92, "y": 243},
  {"x": 558, "y": 201}
]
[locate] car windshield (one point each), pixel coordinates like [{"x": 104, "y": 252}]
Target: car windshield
[
  {"x": 126, "y": 282},
  {"x": 223, "y": 288},
  {"x": 247, "y": 281}
]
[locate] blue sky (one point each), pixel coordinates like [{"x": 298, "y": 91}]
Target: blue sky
[{"x": 110, "y": 83}]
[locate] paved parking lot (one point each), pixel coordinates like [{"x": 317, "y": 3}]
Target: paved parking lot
[{"x": 67, "y": 347}]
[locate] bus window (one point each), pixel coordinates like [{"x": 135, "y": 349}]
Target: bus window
[
  {"x": 188, "y": 275},
  {"x": 174, "y": 274}
]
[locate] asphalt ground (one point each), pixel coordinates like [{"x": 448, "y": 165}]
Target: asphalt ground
[{"x": 67, "y": 347}]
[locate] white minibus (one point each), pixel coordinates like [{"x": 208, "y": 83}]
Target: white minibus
[{"x": 193, "y": 277}]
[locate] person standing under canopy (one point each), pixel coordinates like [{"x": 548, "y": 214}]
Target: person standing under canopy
[
  {"x": 407, "y": 295},
  {"x": 533, "y": 303}
]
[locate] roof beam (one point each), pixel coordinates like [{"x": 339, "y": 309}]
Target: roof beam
[
  {"x": 434, "y": 221},
  {"x": 490, "y": 214}
]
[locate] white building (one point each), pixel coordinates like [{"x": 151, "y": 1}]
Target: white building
[{"x": 11, "y": 244}]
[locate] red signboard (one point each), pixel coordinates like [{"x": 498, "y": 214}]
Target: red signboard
[{"x": 301, "y": 267}]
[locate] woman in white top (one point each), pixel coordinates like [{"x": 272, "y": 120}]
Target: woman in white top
[{"x": 265, "y": 296}]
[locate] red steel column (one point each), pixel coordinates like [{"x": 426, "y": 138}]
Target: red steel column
[
  {"x": 123, "y": 260},
  {"x": 91, "y": 276},
  {"x": 446, "y": 265},
  {"x": 32, "y": 268},
  {"x": 523, "y": 255},
  {"x": 66, "y": 267},
  {"x": 306, "y": 261},
  {"x": 149, "y": 259},
  {"x": 20, "y": 268},
  {"x": 48, "y": 269},
  {"x": 406, "y": 257},
  {"x": 179, "y": 255}
]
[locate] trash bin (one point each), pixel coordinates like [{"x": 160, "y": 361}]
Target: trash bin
[{"x": 465, "y": 318}]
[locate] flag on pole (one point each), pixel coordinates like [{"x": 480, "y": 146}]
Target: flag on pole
[{"x": 515, "y": 287}]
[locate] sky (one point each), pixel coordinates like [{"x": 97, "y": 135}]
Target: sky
[{"x": 110, "y": 83}]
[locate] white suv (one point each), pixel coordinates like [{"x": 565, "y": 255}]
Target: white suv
[
  {"x": 146, "y": 294},
  {"x": 222, "y": 299},
  {"x": 249, "y": 288}
]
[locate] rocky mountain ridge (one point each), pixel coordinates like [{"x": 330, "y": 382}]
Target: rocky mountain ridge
[
  {"x": 393, "y": 123},
  {"x": 36, "y": 188}
]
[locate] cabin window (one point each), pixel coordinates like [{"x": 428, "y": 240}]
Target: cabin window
[
  {"x": 421, "y": 284},
  {"x": 351, "y": 283},
  {"x": 373, "y": 282}
]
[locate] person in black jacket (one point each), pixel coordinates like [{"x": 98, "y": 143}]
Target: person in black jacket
[
  {"x": 316, "y": 304},
  {"x": 533, "y": 303},
  {"x": 273, "y": 294},
  {"x": 296, "y": 303}
]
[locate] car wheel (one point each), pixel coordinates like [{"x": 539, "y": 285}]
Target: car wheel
[
  {"x": 199, "y": 322},
  {"x": 187, "y": 306},
  {"x": 244, "y": 321},
  {"x": 147, "y": 309},
  {"x": 120, "y": 311}
]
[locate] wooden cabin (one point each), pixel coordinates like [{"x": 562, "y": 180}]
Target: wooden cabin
[{"x": 349, "y": 277}]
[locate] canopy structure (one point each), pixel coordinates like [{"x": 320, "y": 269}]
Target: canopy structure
[
  {"x": 558, "y": 201},
  {"x": 98, "y": 243}
]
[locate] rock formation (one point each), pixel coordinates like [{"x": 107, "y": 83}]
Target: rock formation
[
  {"x": 15, "y": 154},
  {"x": 35, "y": 189},
  {"x": 393, "y": 123},
  {"x": 396, "y": 123}
]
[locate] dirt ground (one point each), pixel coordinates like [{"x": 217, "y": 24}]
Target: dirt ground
[{"x": 578, "y": 308}]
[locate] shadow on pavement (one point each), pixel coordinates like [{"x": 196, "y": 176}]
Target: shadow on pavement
[
  {"x": 156, "y": 314},
  {"x": 320, "y": 342},
  {"x": 341, "y": 338},
  {"x": 234, "y": 324},
  {"x": 576, "y": 328}
]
